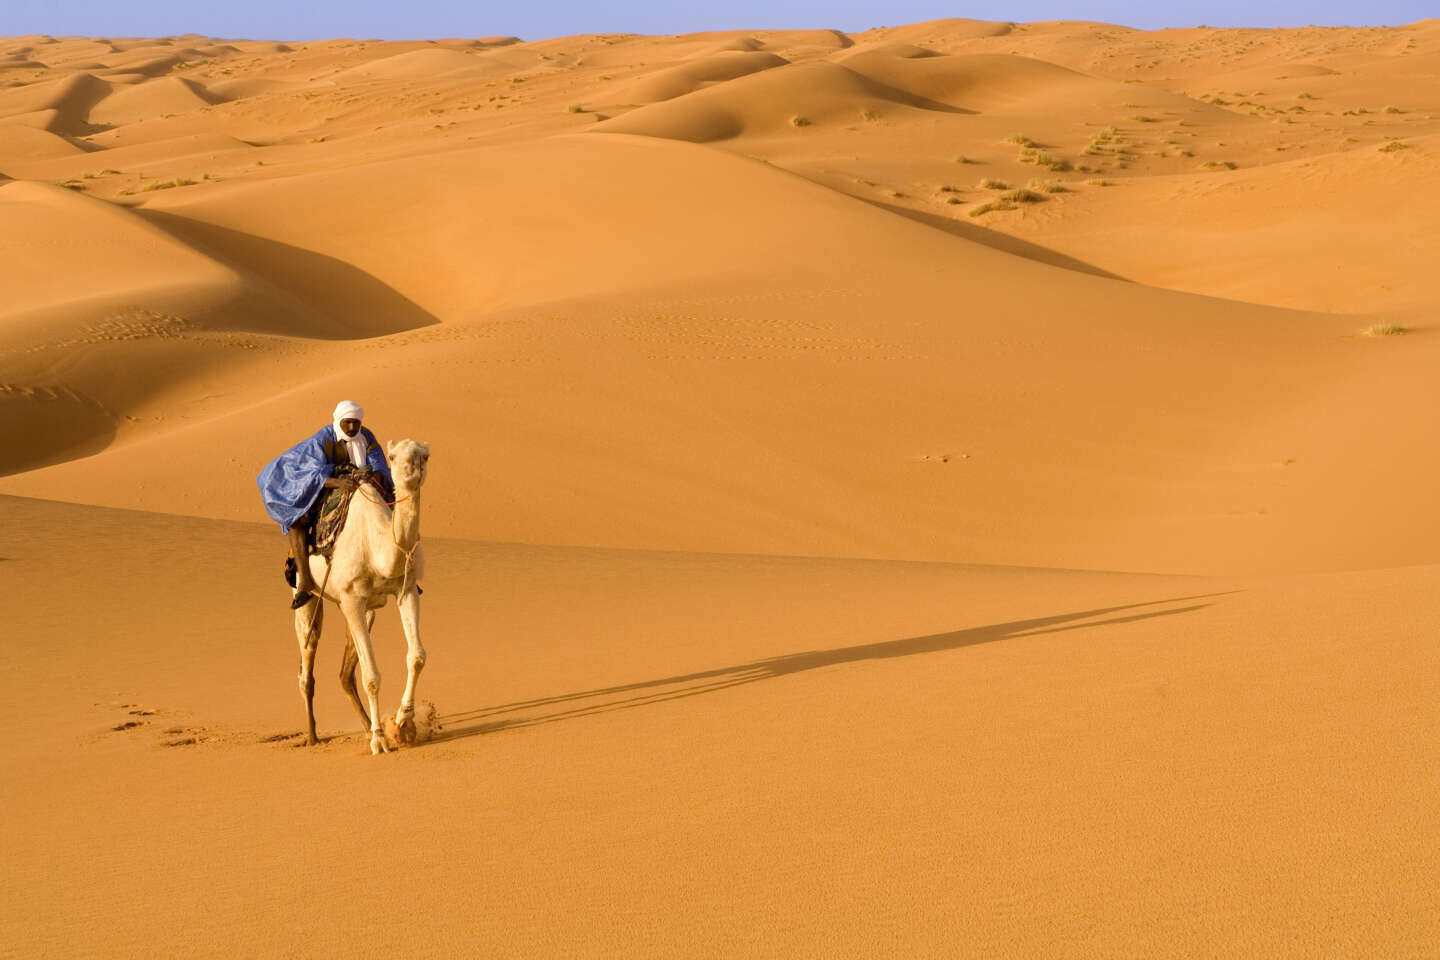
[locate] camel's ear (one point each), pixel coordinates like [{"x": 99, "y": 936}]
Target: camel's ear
[
  {"x": 390, "y": 449},
  {"x": 424, "y": 449}
]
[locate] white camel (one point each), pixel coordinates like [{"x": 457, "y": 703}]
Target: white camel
[{"x": 376, "y": 556}]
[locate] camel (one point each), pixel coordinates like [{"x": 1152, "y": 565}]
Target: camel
[{"x": 376, "y": 556}]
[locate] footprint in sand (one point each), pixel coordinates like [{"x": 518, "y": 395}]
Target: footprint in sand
[
  {"x": 186, "y": 736},
  {"x": 281, "y": 737}
]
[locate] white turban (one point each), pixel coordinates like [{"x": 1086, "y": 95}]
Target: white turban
[{"x": 349, "y": 410}]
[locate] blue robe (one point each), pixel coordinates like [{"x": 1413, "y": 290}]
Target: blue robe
[{"x": 291, "y": 483}]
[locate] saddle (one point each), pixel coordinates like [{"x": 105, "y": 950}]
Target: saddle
[{"x": 327, "y": 517}]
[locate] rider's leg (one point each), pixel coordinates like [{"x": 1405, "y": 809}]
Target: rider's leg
[{"x": 300, "y": 547}]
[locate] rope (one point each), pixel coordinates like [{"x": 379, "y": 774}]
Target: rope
[{"x": 388, "y": 503}]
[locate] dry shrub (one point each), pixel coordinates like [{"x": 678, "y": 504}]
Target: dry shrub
[
  {"x": 1022, "y": 195},
  {"x": 990, "y": 206}
]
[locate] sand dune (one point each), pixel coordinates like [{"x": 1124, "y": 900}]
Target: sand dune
[
  {"x": 1261, "y": 267},
  {"x": 21, "y": 142},
  {"x": 988, "y": 82},
  {"x": 68, "y": 100},
  {"x": 793, "y": 397},
  {"x": 688, "y": 77},
  {"x": 766, "y": 103},
  {"x": 414, "y": 65},
  {"x": 589, "y": 223},
  {"x": 124, "y": 256},
  {"x": 152, "y": 98},
  {"x": 889, "y": 502},
  {"x": 242, "y": 87}
]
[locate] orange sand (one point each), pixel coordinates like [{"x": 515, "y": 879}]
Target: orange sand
[{"x": 774, "y": 491}]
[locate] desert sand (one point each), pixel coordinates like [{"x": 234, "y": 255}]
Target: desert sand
[{"x": 957, "y": 489}]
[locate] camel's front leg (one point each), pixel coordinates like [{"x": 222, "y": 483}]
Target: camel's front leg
[
  {"x": 355, "y": 616},
  {"x": 414, "y": 662},
  {"x": 348, "y": 665},
  {"x": 307, "y": 630}
]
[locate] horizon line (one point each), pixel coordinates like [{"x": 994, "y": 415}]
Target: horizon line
[{"x": 433, "y": 38}]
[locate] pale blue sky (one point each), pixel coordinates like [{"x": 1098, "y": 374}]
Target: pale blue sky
[{"x": 411, "y": 19}]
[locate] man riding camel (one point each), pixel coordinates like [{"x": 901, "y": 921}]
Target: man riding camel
[{"x": 339, "y": 456}]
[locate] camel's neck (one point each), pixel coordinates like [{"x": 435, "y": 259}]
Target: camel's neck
[{"x": 405, "y": 522}]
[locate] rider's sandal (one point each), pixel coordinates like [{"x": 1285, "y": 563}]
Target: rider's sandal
[{"x": 301, "y": 598}]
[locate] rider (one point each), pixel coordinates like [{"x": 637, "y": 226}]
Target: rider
[{"x": 291, "y": 484}]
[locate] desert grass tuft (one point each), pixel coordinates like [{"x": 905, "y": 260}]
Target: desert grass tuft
[
  {"x": 1099, "y": 182},
  {"x": 1384, "y": 330},
  {"x": 1047, "y": 186},
  {"x": 799, "y": 121},
  {"x": 1020, "y": 139},
  {"x": 992, "y": 205},
  {"x": 1022, "y": 195},
  {"x": 991, "y": 183},
  {"x": 1047, "y": 160},
  {"x": 1393, "y": 109},
  {"x": 1393, "y": 145},
  {"x": 169, "y": 184},
  {"x": 574, "y": 108},
  {"x": 961, "y": 158}
]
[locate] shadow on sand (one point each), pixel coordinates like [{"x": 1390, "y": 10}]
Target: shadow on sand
[
  {"x": 570, "y": 706},
  {"x": 312, "y": 295},
  {"x": 998, "y": 240}
]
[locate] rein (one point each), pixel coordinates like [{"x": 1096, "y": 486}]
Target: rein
[
  {"x": 388, "y": 503},
  {"x": 409, "y": 554}
]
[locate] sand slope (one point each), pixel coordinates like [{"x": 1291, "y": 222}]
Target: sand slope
[{"x": 657, "y": 754}]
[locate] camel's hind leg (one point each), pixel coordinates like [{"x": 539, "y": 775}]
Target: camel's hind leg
[
  {"x": 414, "y": 663},
  {"x": 348, "y": 665},
  {"x": 308, "y": 620},
  {"x": 359, "y": 620}
]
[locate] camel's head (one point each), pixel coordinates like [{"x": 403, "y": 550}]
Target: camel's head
[{"x": 407, "y": 462}]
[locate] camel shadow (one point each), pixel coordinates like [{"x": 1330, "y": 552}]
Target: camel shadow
[{"x": 571, "y": 706}]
